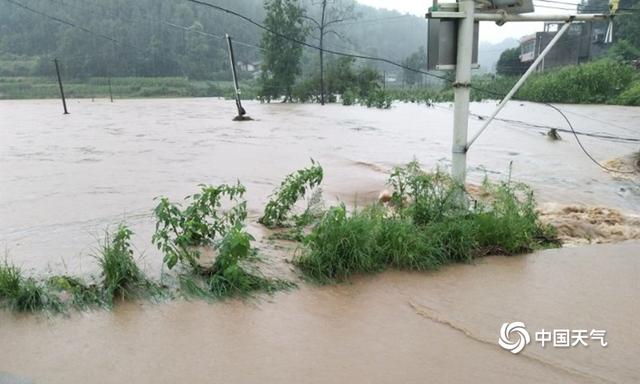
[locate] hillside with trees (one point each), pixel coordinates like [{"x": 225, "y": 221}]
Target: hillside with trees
[{"x": 174, "y": 38}]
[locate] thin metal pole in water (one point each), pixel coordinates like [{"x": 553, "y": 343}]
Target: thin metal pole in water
[
  {"x": 524, "y": 77},
  {"x": 241, "y": 111},
  {"x": 110, "y": 92},
  {"x": 462, "y": 88},
  {"x": 64, "y": 101}
]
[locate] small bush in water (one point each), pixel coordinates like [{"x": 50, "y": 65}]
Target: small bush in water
[
  {"x": 230, "y": 275},
  {"x": 204, "y": 220},
  {"x": 424, "y": 230},
  {"x": 293, "y": 188}
]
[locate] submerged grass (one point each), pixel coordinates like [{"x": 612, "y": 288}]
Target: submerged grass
[
  {"x": 231, "y": 275},
  {"x": 24, "y": 294},
  {"x": 425, "y": 228},
  {"x": 121, "y": 277}
]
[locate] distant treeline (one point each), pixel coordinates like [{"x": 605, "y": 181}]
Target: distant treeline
[{"x": 149, "y": 48}]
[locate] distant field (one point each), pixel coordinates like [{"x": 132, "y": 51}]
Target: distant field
[{"x": 122, "y": 87}]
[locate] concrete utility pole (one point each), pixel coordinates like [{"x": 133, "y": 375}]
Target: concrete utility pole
[
  {"x": 64, "y": 101},
  {"x": 241, "y": 111},
  {"x": 462, "y": 91},
  {"x": 322, "y": 27},
  {"x": 466, "y": 13}
]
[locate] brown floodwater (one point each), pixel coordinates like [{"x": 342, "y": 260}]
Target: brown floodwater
[
  {"x": 439, "y": 327},
  {"x": 66, "y": 179}
]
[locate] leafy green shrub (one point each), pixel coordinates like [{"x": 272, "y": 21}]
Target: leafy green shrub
[
  {"x": 230, "y": 277},
  {"x": 378, "y": 99},
  {"x": 596, "y": 82},
  {"x": 423, "y": 229},
  {"x": 204, "y": 219},
  {"x": 348, "y": 97},
  {"x": 423, "y": 196},
  {"x": 631, "y": 96},
  {"x": 293, "y": 188}
]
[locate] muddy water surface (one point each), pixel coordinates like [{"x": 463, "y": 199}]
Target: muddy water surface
[
  {"x": 392, "y": 328},
  {"x": 66, "y": 178}
]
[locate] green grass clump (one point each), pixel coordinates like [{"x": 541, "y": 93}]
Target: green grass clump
[
  {"x": 293, "y": 188},
  {"x": 121, "y": 277},
  {"x": 425, "y": 228},
  {"x": 23, "y": 294}
]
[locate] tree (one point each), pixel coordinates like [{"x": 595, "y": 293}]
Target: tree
[
  {"x": 509, "y": 63},
  {"x": 627, "y": 24},
  {"x": 417, "y": 60},
  {"x": 197, "y": 54},
  {"x": 328, "y": 17},
  {"x": 281, "y": 61}
]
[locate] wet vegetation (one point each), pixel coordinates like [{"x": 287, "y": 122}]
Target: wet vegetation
[
  {"x": 121, "y": 276},
  {"x": 208, "y": 222},
  {"x": 120, "y": 279},
  {"x": 23, "y": 294},
  {"x": 423, "y": 228},
  {"x": 427, "y": 222},
  {"x": 201, "y": 223},
  {"x": 231, "y": 275},
  {"x": 277, "y": 212}
]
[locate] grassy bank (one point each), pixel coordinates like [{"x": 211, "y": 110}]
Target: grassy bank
[
  {"x": 124, "y": 87},
  {"x": 599, "y": 82},
  {"x": 423, "y": 226},
  {"x": 427, "y": 222}
]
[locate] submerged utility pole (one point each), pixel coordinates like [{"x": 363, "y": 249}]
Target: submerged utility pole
[
  {"x": 462, "y": 18},
  {"x": 110, "y": 92},
  {"x": 64, "y": 101},
  {"x": 241, "y": 110}
]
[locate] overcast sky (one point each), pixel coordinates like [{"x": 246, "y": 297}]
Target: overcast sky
[{"x": 489, "y": 32}]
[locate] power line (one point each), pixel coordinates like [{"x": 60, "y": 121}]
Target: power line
[
  {"x": 89, "y": 8},
  {"x": 364, "y": 57},
  {"x": 68, "y": 23},
  {"x": 558, "y": 2},
  {"x": 553, "y": 7},
  {"x": 582, "y": 146},
  {"x": 304, "y": 43},
  {"x": 365, "y": 21}
]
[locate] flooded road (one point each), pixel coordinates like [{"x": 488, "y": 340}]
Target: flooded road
[
  {"x": 439, "y": 327},
  {"x": 65, "y": 179}
]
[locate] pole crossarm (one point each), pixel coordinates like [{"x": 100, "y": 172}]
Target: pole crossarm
[
  {"x": 502, "y": 17},
  {"x": 505, "y": 17},
  {"x": 466, "y": 14}
]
